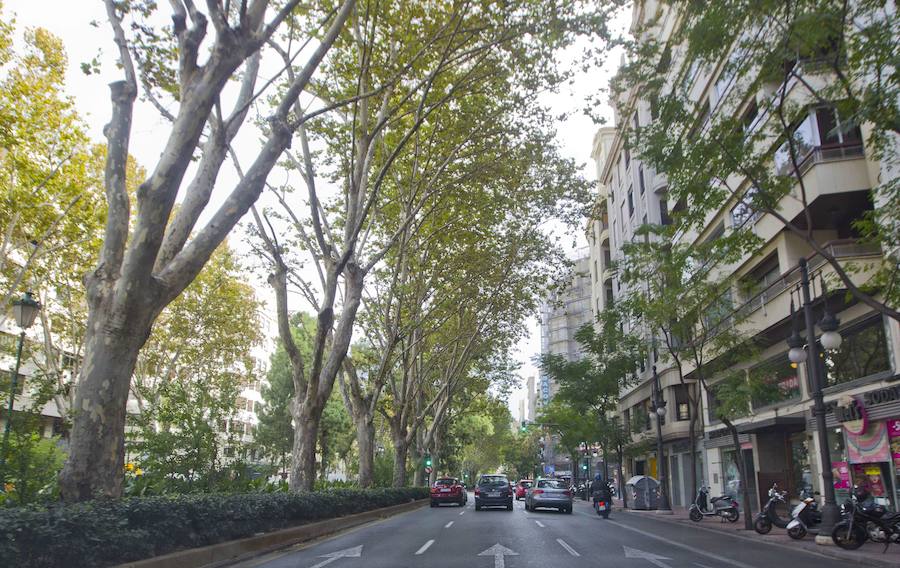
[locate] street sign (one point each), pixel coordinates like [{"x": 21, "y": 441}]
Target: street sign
[{"x": 549, "y": 469}]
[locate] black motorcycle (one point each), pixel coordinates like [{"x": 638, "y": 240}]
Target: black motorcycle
[
  {"x": 861, "y": 519},
  {"x": 602, "y": 499},
  {"x": 724, "y": 506},
  {"x": 768, "y": 517}
]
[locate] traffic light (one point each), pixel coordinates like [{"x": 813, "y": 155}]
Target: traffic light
[
  {"x": 584, "y": 466},
  {"x": 524, "y": 427},
  {"x": 427, "y": 461}
]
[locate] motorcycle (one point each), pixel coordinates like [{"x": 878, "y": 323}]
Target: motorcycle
[
  {"x": 804, "y": 517},
  {"x": 602, "y": 500},
  {"x": 768, "y": 517},
  {"x": 724, "y": 506},
  {"x": 862, "y": 518}
]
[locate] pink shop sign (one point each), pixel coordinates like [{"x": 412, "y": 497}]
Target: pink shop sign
[{"x": 894, "y": 435}]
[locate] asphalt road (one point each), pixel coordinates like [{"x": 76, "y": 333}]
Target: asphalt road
[{"x": 454, "y": 537}]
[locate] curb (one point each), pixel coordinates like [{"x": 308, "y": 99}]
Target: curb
[
  {"x": 235, "y": 550},
  {"x": 889, "y": 560}
]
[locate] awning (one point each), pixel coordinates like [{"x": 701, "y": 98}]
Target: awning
[{"x": 791, "y": 422}]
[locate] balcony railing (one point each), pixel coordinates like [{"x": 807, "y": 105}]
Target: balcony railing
[
  {"x": 820, "y": 154},
  {"x": 847, "y": 248}
]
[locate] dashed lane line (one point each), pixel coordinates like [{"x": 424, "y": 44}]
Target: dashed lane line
[
  {"x": 565, "y": 545},
  {"x": 462, "y": 513},
  {"x": 448, "y": 525},
  {"x": 425, "y": 547},
  {"x": 540, "y": 524}
]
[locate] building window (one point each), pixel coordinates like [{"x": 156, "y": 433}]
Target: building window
[
  {"x": 745, "y": 212},
  {"x": 630, "y": 202},
  {"x": 6, "y": 378},
  {"x": 774, "y": 381},
  {"x": 664, "y": 218},
  {"x": 749, "y": 116},
  {"x": 682, "y": 406},
  {"x": 627, "y": 155},
  {"x": 641, "y": 178},
  {"x": 863, "y": 353}
]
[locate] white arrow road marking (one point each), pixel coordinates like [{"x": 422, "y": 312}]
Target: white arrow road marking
[
  {"x": 498, "y": 551},
  {"x": 565, "y": 545},
  {"x": 425, "y": 547},
  {"x": 354, "y": 552},
  {"x": 448, "y": 525},
  {"x": 689, "y": 548},
  {"x": 701, "y": 565},
  {"x": 654, "y": 559},
  {"x": 540, "y": 524}
]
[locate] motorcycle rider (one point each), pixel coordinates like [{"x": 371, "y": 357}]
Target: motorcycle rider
[{"x": 601, "y": 491}]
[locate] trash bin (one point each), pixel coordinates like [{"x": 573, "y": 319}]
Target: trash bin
[{"x": 643, "y": 492}]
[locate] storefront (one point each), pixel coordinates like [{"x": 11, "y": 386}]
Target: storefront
[{"x": 864, "y": 439}]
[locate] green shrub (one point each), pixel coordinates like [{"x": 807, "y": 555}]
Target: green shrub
[{"x": 108, "y": 532}]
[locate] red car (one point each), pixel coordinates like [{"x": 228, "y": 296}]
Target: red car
[
  {"x": 522, "y": 486},
  {"x": 448, "y": 490}
]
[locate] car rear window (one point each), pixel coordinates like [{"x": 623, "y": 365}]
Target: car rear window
[
  {"x": 552, "y": 484},
  {"x": 493, "y": 481},
  {"x": 526, "y": 484},
  {"x": 445, "y": 482}
]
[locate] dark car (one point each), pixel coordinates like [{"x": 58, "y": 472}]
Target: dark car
[
  {"x": 448, "y": 490},
  {"x": 493, "y": 491}
]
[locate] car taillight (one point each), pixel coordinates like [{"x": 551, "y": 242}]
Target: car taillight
[
  {"x": 537, "y": 491},
  {"x": 477, "y": 491},
  {"x": 602, "y": 503},
  {"x": 567, "y": 493}
]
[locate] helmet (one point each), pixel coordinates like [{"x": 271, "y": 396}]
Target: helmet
[{"x": 598, "y": 477}]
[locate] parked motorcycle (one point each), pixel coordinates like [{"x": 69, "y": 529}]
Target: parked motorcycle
[
  {"x": 862, "y": 518},
  {"x": 768, "y": 517},
  {"x": 724, "y": 506},
  {"x": 805, "y": 517}
]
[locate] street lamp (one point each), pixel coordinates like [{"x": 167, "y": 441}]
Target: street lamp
[
  {"x": 658, "y": 406},
  {"x": 25, "y": 310},
  {"x": 830, "y": 340}
]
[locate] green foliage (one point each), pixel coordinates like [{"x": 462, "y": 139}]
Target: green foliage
[
  {"x": 31, "y": 469},
  {"x": 188, "y": 378},
  {"x": 135, "y": 528}
]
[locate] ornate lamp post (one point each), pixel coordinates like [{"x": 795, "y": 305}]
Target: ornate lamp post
[
  {"x": 25, "y": 310},
  {"x": 830, "y": 340},
  {"x": 658, "y": 406}
]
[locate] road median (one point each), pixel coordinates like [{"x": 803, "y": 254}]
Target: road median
[{"x": 225, "y": 553}]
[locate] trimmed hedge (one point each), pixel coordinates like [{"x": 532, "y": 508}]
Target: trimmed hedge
[{"x": 108, "y": 532}]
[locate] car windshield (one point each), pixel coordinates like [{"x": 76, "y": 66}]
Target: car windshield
[
  {"x": 552, "y": 484},
  {"x": 444, "y": 482},
  {"x": 493, "y": 481}
]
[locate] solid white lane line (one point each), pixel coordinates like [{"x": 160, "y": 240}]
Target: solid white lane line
[
  {"x": 448, "y": 525},
  {"x": 571, "y": 550},
  {"x": 540, "y": 524},
  {"x": 687, "y": 547},
  {"x": 425, "y": 547}
]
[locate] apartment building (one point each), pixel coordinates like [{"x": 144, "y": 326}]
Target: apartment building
[
  {"x": 777, "y": 434},
  {"x": 562, "y": 315}
]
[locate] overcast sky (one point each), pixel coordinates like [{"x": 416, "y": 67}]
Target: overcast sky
[{"x": 71, "y": 20}]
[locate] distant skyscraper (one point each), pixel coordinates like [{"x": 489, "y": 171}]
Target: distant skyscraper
[
  {"x": 532, "y": 398},
  {"x": 522, "y": 410}
]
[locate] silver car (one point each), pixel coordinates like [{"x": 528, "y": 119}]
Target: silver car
[{"x": 549, "y": 494}]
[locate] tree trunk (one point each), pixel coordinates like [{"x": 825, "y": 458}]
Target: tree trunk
[
  {"x": 303, "y": 464},
  {"x": 620, "y": 456},
  {"x": 692, "y": 437},
  {"x": 365, "y": 440},
  {"x": 400, "y": 451},
  {"x": 97, "y": 444},
  {"x": 739, "y": 462}
]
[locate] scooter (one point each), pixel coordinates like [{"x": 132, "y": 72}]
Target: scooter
[
  {"x": 768, "y": 517},
  {"x": 805, "y": 517},
  {"x": 723, "y": 506}
]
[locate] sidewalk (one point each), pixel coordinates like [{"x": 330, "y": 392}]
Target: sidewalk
[{"x": 870, "y": 554}]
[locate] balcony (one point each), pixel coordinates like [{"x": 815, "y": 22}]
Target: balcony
[{"x": 809, "y": 157}]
